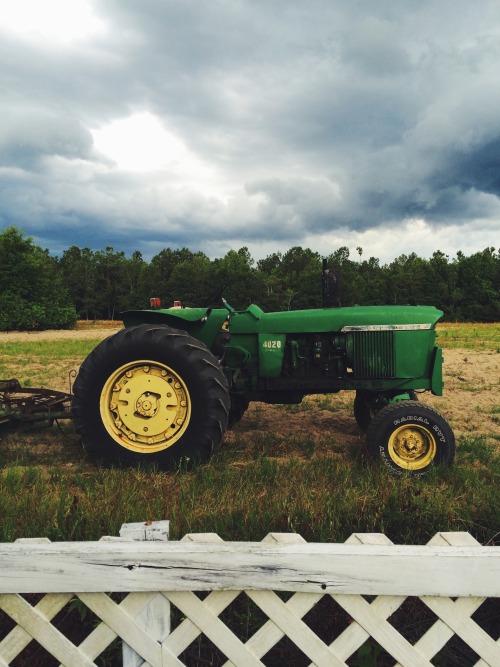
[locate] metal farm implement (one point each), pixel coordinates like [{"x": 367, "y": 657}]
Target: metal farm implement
[{"x": 30, "y": 404}]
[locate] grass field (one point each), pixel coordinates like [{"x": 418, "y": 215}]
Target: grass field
[
  {"x": 283, "y": 468},
  {"x": 299, "y": 468},
  {"x": 469, "y": 336}
]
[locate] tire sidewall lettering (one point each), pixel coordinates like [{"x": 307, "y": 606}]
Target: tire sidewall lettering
[
  {"x": 439, "y": 433},
  {"x": 421, "y": 420},
  {"x": 394, "y": 469},
  {"x": 404, "y": 420}
]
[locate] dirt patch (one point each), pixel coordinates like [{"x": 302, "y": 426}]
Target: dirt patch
[
  {"x": 471, "y": 404},
  {"x": 471, "y": 400}
]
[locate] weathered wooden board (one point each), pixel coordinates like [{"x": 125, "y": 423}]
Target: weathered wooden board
[{"x": 191, "y": 566}]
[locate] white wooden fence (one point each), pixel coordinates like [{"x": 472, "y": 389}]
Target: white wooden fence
[{"x": 452, "y": 576}]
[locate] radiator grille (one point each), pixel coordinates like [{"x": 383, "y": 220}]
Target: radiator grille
[{"x": 373, "y": 354}]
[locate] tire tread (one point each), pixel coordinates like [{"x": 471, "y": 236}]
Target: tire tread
[
  {"x": 181, "y": 345},
  {"x": 379, "y": 424}
]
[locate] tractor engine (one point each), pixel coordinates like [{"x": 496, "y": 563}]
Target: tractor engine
[{"x": 315, "y": 356}]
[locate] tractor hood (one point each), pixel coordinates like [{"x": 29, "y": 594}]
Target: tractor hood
[
  {"x": 322, "y": 320},
  {"x": 205, "y": 323}
]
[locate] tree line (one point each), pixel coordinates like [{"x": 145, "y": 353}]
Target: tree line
[{"x": 40, "y": 291}]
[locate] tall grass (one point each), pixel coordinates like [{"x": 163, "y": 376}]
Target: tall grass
[
  {"x": 469, "y": 336},
  {"x": 45, "y": 350},
  {"x": 322, "y": 498},
  {"x": 44, "y": 363}
]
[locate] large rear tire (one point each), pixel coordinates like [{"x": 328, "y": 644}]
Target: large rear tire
[
  {"x": 410, "y": 438},
  {"x": 151, "y": 394}
]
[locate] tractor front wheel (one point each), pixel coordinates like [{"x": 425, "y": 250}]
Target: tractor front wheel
[
  {"x": 239, "y": 405},
  {"x": 410, "y": 437},
  {"x": 151, "y": 394},
  {"x": 368, "y": 403}
]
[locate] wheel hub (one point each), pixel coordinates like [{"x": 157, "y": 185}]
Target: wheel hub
[
  {"x": 145, "y": 406},
  {"x": 412, "y": 447}
]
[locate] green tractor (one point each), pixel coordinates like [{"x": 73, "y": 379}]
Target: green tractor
[{"x": 165, "y": 388}]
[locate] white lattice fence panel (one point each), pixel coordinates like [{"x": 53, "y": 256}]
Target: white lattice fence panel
[
  {"x": 368, "y": 620},
  {"x": 315, "y": 573}
]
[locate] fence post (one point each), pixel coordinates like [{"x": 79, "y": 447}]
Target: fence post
[{"x": 155, "y": 617}]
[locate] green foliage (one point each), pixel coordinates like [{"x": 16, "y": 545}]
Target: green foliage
[
  {"x": 243, "y": 283},
  {"x": 79, "y": 273},
  {"x": 32, "y": 293},
  {"x": 191, "y": 281},
  {"x": 366, "y": 655},
  {"x": 103, "y": 283}
]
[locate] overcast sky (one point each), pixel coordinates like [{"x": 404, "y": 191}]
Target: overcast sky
[{"x": 217, "y": 124}]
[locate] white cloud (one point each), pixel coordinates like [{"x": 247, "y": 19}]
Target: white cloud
[
  {"x": 52, "y": 21},
  {"x": 410, "y": 236},
  {"x": 140, "y": 144}
]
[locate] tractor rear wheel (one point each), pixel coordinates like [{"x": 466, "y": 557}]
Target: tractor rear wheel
[
  {"x": 151, "y": 394},
  {"x": 410, "y": 437}
]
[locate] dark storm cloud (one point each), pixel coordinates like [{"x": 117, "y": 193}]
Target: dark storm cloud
[
  {"x": 312, "y": 117},
  {"x": 479, "y": 169},
  {"x": 26, "y": 136}
]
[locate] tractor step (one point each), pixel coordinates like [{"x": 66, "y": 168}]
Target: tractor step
[{"x": 31, "y": 404}]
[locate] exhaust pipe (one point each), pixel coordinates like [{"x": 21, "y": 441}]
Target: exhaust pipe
[{"x": 330, "y": 282}]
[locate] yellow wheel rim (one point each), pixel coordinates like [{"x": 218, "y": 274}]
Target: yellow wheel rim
[
  {"x": 412, "y": 447},
  {"x": 145, "y": 406}
]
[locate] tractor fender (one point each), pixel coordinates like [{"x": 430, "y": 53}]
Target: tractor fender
[
  {"x": 201, "y": 323},
  {"x": 437, "y": 383}
]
